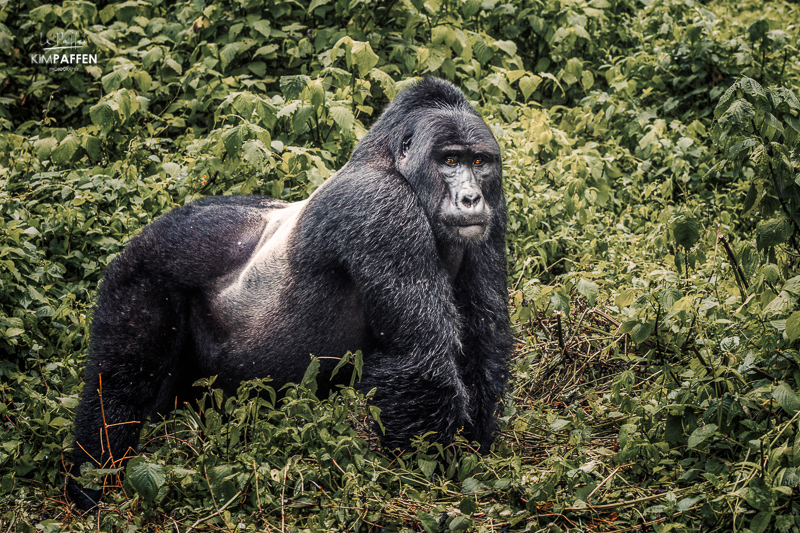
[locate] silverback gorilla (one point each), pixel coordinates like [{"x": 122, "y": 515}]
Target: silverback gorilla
[{"x": 400, "y": 254}]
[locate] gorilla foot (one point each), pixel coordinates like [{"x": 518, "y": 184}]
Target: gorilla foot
[{"x": 86, "y": 499}]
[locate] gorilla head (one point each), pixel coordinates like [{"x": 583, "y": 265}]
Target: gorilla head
[
  {"x": 448, "y": 155},
  {"x": 400, "y": 255}
]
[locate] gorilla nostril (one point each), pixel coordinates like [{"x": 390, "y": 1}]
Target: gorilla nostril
[{"x": 471, "y": 200}]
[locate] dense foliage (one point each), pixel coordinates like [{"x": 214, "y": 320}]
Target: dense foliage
[{"x": 652, "y": 166}]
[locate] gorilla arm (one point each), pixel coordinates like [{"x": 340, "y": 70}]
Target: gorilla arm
[
  {"x": 407, "y": 298},
  {"x": 481, "y": 295}
]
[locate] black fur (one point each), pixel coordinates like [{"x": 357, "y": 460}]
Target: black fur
[{"x": 400, "y": 255}]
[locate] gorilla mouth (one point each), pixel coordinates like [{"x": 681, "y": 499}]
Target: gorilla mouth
[{"x": 470, "y": 231}]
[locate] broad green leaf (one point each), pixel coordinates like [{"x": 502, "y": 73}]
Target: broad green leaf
[
  {"x": 292, "y": 86},
  {"x": 573, "y": 71},
  {"x": 734, "y": 150},
  {"x": 309, "y": 380},
  {"x": 102, "y": 114},
  {"x": 468, "y": 506},
  {"x": 792, "y": 285},
  {"x": 625, "y": 298},
  {"x": 343, "y": 117},
  {"x": 700, "y": 434},
  {"x": 589, "y": 290},
  {"x": 263, "y": 26},
  {"x": 63, "y": 153},
  {"x": 786, "y": 397},
  {"x": 483, "y": 53},
  {"x": 152, "y": 56},
  {"x": 793, "y": 326},
  {"x": 428, "y": 522},
  {"x": 685, "y": 230},
  {"x": 363, "y": 57},
  {"x": 770, "y": 233},
  {"x": 472, "y": 485},
  {"x": 44, "y": 147},
  {"x": 510, "y": 48},
  {"x": 641, "y": 331},
  {"x": 739, "y": 114},
  {"x": 757, "y": 494},
  {"x": 760, "y": 522},
  {"x": 528, "y": 85},
  {"x": 233, "y": 139},
  {"x": 427, "y": 467},
  {"x": 14, "y": 332},
  {"x": 146, "y": 478},
  {"x": 460, "y": 523}
]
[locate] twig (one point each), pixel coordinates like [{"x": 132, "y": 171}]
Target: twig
[
  {"x": 737, "y": 269},
  {"x": 589, "y": 497},
  {"x": 216, "y": 513},
  {"x": 560, "y": 333}
]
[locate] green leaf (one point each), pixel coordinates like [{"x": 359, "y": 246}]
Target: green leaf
[
  {"x": 625, "y": 298},
  {"x": 102, "y": 114},
  {"x": 309, "y": 380},
  {"x": 472, "y": 485},
  {"x": 757, "y": 494},
  {"x": 589, "y": 290},
  {"x": 641, "y": 331},
  {"x": 153, "y": 56},
  {"x": 760, "y": 522},
  {"x": 63, "y": 153},
  {"x": 429, "y": 523},
  {"x": 483, "y": 53},
  {"x": 363, "y": 56},
  {"x": 468, "y": 506},
  {"x": 427, "y": 467},
  {"x": 14, "y": 332},
  {"x": 793, "y": 326},
  {"x": 44, "y": 147},
  {"x": 786, "y": 398},
  {"x": 739, "y": 114},
  {"x": 146, "y": 478},
  {"x": 292, "y": 86},
  {"x": 773, "y": 232},
  {"x": 460, "y": 523},
  {"x": 263, "y": 27},
  {"x": 343, "y": 117},
  {"x": 233, "y": 139},
  {"x": 529, "y": 84},
  {"x": 510, "y": 48},
  {"x": 685, "y": 230},
  {"x": 699, "y": 435},
  {"x": 573, "y": 71}
]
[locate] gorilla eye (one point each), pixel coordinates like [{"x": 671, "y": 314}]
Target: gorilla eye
[
  {"x": 450, "y": 160},
  {"x": 478, "y": 161}
]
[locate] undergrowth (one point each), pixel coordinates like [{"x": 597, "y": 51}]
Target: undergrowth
[{"x": 652, "y": 175}]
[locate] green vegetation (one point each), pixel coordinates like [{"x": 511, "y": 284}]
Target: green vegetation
[{"x": 652, "y": 165}]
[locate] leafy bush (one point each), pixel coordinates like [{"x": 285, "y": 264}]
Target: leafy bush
[{"x": 652, "y": 177}]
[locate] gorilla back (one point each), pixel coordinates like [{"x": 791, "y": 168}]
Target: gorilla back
[{"x": 400, "y": 254}]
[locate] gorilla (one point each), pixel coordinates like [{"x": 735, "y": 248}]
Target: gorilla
[{"x": 400, "y": 254}]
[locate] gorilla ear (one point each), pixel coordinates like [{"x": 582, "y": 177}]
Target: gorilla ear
[
  {"x": 402, "y": 158},
  {"x": 406, "y": 145}
]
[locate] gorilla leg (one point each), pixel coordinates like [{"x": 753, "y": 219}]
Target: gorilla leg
[{"x": 132, "y": 372}]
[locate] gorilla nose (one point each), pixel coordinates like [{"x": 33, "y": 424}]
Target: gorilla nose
[{"x": 471, "y": 201}]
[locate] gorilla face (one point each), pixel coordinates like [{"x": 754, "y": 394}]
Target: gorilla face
[
  {"x": 464, "y": 213},
  {"x": 453, "y": 162}
]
